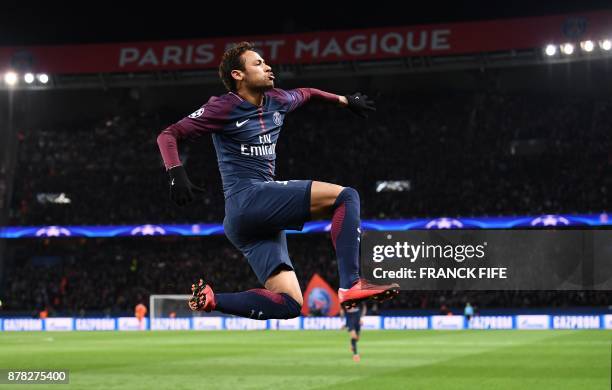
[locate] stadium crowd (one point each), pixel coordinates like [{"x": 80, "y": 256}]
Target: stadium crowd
[
  {"x": 80, "y": 277},
  {"x": 465, "y": 154}
]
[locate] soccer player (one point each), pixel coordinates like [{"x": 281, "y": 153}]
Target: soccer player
[
  {"x": 353, "y": 324},
  {"x": 245, "y": 124},
  {"x": 140, "y": 311},
  {"x": 468, "y": 312}
]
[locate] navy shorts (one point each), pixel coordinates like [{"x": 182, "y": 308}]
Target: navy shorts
[
  {"x": 353, "y": 322},
  {"x": 256, "y": 219}
]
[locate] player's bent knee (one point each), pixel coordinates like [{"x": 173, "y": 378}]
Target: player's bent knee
[
  {"x": 285, "y": 282},
  {"x": 350, "y": 191},
  {"x": 348, "y": 194}
]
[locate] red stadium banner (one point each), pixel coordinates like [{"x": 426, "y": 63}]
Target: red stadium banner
[
  {"x": 353, "y": 45},
  {"x": 320, "y": 299}
]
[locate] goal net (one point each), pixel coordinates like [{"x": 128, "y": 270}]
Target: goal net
[{"x": 169, "y": 305}]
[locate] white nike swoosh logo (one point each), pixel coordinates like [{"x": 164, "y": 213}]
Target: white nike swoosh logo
[{"x": 239, "y": 124}]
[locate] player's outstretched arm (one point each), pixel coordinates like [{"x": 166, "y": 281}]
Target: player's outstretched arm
[{"x": 357, "y": 103}]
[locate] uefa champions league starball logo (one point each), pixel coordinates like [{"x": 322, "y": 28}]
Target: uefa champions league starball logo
[
  {"x": 444, "y": 223},
  {"x": 319, "y": 301},
  {"x": 550, "y": 220},
  {"x": 148, "y": 230},
  {"x": 53, "y": 231},
  {"x": 278, "y": 120}
]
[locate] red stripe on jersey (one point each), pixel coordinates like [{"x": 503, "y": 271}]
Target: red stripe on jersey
[{"x": 263, "y": 130}]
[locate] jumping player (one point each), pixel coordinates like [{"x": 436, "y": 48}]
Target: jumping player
[{"x": 245, "y": 124}]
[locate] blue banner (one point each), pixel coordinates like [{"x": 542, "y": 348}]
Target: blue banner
[
  {"x": 209, "y": 229},
  {"x": 456, "y": 322}
]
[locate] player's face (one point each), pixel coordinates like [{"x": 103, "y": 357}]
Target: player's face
[{"x": 257, "y": 74}]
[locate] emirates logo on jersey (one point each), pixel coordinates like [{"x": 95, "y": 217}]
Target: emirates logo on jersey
[{"x": 277, "y": 118}]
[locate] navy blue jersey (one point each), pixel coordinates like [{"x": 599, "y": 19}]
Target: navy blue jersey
[{"x": 244, "y": 134}]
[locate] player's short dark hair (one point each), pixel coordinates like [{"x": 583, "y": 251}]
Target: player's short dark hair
[{"x": 232, "y": 60}]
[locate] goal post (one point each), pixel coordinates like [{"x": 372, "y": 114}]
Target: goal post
[{"x": 162, "y": 305}]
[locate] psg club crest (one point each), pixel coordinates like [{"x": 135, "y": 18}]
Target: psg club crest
[
  {"x": 320, "y": 298},
  {"x": 319, "y": 302},
  {"x": 277, "y": 118}
]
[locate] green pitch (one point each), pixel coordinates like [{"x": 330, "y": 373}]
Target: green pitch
[{"x": 316, "y": 359}]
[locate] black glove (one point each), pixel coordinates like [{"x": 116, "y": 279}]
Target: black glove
[
  {"x": 360, "y": 104},
  {"x": 182, "y": 191}
]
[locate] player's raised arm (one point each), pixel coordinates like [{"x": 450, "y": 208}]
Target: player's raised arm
[{"x": 357, "y": 103}]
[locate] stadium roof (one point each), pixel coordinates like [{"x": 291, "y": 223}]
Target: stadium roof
[
  {"x": 79, "y": 50},
  {"x": 32, "y": 24}
]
